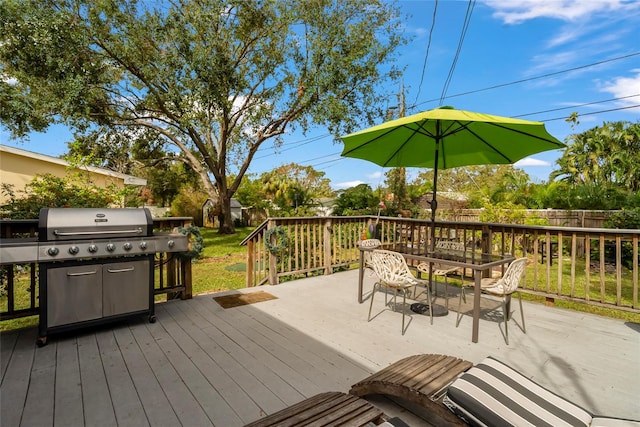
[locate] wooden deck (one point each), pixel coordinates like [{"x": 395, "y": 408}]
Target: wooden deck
[{"x": 203, "y": 365}]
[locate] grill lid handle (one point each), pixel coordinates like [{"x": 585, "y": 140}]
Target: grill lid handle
[{"x": 93, "y": 233}]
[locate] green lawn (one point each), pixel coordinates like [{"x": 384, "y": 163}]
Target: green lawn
[{"x": 222, "y": 265}]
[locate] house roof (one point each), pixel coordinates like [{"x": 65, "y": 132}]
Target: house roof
[{"x": 128, "y": 179}]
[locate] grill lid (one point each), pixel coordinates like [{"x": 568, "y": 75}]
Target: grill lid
[{"x": 57, "y": 224}]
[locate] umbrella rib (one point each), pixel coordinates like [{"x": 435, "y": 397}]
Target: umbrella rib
[
  {"x": 552, "y": 141},
  {"x": 406, "y": 141},
  {"x": 346, "y": 153},
  {"x": 508, "y": 159}
]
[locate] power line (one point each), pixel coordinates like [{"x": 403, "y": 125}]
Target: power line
[
  {"x": 577, "y": 106},
  {"x": 545, "y": 120},
  {"x": 424, "y": 66},
  {"x": 594, "y": 112},
  {"x": 463, "y": 33},
  {"x": 297, "y": 143},
  {"x": 304, "y": 142},
  {"x": 531, "y": 78}
]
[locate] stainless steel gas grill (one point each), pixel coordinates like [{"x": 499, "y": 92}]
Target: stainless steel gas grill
[{"x": 95, "y": 265}]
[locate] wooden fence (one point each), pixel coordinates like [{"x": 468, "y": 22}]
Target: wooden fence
[
  {"x": 19, "y": 282},
  {"x": 590, "y": 265}
]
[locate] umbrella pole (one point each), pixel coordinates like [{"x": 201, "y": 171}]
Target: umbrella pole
[
  {"x": 434, "y": 206},
  {"x": 434, "y": 201}
]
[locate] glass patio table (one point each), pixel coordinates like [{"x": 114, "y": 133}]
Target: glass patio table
[{"x": 479, "y": 263}]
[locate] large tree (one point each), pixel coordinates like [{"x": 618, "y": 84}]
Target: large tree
[{"x": 214, "y": 79}]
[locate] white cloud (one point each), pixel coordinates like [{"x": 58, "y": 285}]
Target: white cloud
[
  {"x": 530, "y": 161},
  {"x": 624, "y": 86},
  {"x": 518, "y": 11},
  {"x": 347, "y": 184},
  {"x": 375, "y": 175}
]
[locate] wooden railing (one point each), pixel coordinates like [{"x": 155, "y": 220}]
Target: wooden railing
[
  {"x": 19, "y": 282},
  {"x": 590, "y": 265}
]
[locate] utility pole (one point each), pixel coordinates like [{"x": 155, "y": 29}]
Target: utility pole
[{"x": 397, "y": 177}]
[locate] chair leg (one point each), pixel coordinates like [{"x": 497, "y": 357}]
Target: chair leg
[
  {"x": 446, "y": 292},
  {"x": 524, "y": 328},
  {"x": 404, "y": 305},
  {"x": 373, "y": 292},
  {"x": 430, "y": 302},
  {"x": 459, "y": 314},
  {"x": 506, "y": 320}
]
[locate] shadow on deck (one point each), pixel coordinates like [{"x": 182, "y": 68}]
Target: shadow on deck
[{"x": 201, "y": 364}]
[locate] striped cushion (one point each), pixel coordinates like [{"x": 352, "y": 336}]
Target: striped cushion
[
  {"x": 493, "y": 394},
  {"x": 613, "y": 422}
]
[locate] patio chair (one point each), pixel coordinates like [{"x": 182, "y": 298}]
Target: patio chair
[
  {"x": 366, "y": 255},
  {"x": 503, "y": 288},
  {"x": 440, "y": 269},
  {"x": 393, "y": 273}
]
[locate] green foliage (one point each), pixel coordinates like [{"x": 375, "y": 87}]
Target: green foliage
[
  {"x": 54, "y": 192},
  {"x": 604, "y": 156},
  {"x": 251, "y": 192},
  {"x": 508, "y": 213},
  {"x": 293, "y": 189},
  {"x": 196, "y": 242},
  {"x": 396, "y": 181},
  {"x": 624, "y": 219},
  {"x": 213, "y": 80},
  {"x": 358, "y": 200},
  {"x": 503, "y": 213},
  {"x": 189, "y": 202}
]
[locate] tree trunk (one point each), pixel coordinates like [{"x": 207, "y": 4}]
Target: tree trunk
[{"x": 226, "y": 221}]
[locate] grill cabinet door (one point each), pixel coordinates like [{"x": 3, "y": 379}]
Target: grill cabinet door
[
  {"x": 74, "y": 294},
  {"x": 126, "y": 287}
]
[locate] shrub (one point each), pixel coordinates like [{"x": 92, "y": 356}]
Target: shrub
[{"x": 48, "y": 191}]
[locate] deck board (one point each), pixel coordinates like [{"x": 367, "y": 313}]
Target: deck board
[
  {"x": 98, "y": 407},
  {"x": 16, "y": 380},
  {"x": 248, "y": 383},
  {"x": 38, "y": 408},
  {"x": 207, "y": 397},
  {"x": 67, "y": 388},
  {"x": 203, "y": 365},
  {"x": 7, "y": 344},
  {"x": 124, "y": 397},
  {"x": 157, "y": 407},
  {"x": 178, "y": 395}
]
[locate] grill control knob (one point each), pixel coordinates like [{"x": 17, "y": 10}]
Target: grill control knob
[
  {"x": 111, "y": 247},
  {"x": 73, "y": 250},
  {"x": 127, "y": 246},
  {"x": 171, "y": 243},
  {"x": 92, "y": 248},
  {"x": 53, "y": 251},
  {"x": 143, "y": 245}
]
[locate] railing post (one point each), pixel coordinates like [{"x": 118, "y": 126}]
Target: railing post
[
  {"x": 485, "y": 244},
  {"x": 186, "y": 279},
  {"x": 251, "y": 262},
  {"x": 326, "y": 244},
  {"x": 273, "y": 259}
]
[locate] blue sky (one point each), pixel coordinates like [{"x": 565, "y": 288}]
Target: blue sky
[{"x": 547, "y": 46}]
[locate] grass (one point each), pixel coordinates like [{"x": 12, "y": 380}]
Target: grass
[{"x": 222, "y": 265}]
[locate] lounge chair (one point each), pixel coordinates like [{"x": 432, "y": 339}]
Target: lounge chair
[
  {"x": 329, "y": 409},
  {"x": 419, "y": 380},
  {"x": 487, "y": 394}
]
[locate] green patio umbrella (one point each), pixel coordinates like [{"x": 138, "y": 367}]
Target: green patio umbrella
[{"x": 445, "y": 138}]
